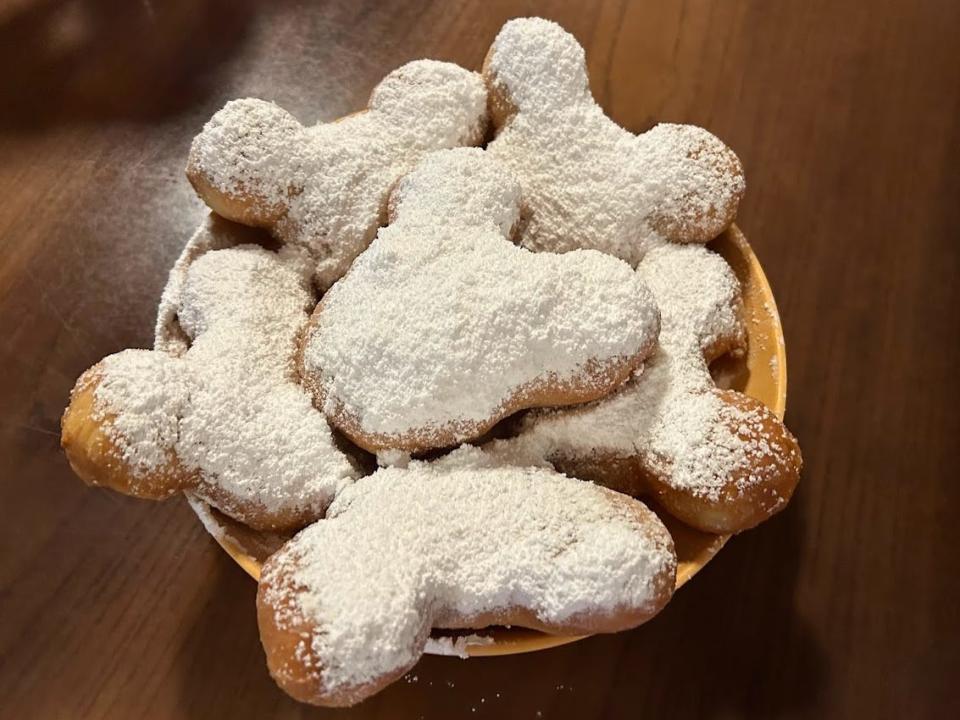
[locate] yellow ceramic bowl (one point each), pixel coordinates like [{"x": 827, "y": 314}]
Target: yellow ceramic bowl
[{"x": 761, "y": 374}]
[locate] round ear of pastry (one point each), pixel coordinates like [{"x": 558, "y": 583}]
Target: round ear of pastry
[
  {"x": 443, "y": 326},
  {"x": 740, "y": 469},
  {"x": 214, "y": 233},
  {"x": 718, "y": 460},
  {"x": 93, "y": 432},
  {"x": 324, "y": 188},
  {"x": 346, "y": 607},
  {"x": 226, "y": 419},
  {"x": 589, "y": 183}
]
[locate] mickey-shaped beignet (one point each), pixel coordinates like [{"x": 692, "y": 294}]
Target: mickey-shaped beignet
[
  {"x": 346, "y": 607},
  {"x": 227, "y": 419},
  {"x": 443, "y": 326},
  {"x": 716, "y": 459},
  {"x": 324, "y": 188},
  {"x": 587, "y": 182}
]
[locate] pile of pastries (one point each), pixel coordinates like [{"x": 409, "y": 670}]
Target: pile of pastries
[{"x": 478, "y": 335}]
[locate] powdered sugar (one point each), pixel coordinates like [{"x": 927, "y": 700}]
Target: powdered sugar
[
  {"x": 211, "y": 524},
  {"x": 404, "y": 550},
  {"x": 669, "y": 415},
  {"x": 214, "y": 233},
  {"x": 324, "y": 188},
  {"x": 588, "y": 183},
  {"x": 455, "y": 646},
  {"x": 143, "y": 394},
  {"x": 699, "y": 296},
  {"x": 230, "y": 407},
  {"x": 442, "y": 322}
]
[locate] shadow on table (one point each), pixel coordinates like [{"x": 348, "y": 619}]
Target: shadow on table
[
  {"x": 101, "y": 59},
  {"x": 732, "y": 643}
]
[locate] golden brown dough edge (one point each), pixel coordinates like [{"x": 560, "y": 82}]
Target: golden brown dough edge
[{"x": 240, "y": 205}]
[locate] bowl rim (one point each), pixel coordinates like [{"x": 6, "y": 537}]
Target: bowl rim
[{"x": 510, "y": 641}]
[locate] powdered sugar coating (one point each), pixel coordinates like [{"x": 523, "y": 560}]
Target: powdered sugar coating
[
  {"x": 670, "y": 417},
  {"x": 324, "y": 188},
  {"x": 402, "y": 551},
  {"x": 214, "y": 233},
  {"x": 145, "y": 393},
  {"x": 589, "y": 183},
  {"x": 230, "y": 407},
  {"x": 700, "y": 297},
  {"x": 443, "y": 322},
  {"x": 455, "y": 646}
]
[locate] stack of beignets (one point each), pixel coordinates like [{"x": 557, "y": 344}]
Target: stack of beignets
[{"x": 409, "y": 292}]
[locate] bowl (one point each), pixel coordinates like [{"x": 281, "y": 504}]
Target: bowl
[{"x": 761, "y": 373}]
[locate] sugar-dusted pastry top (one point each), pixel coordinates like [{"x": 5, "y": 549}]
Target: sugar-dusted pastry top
[
  {"x": 588, "y": 183},
  {"x": 443, "y": 326},
  {"x": 214, "y": 233},
  {"x": 324, "y": 188},
  {"x": 718, "y": 459},
  {"x": 699, "y": 299},
  {"x": 348, "y": 604},
  {"x": 227, "y": 418}
]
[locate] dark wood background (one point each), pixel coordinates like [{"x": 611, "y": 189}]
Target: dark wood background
[{"x": 847, "y": 117}]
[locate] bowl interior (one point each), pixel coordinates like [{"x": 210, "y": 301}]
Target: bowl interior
[{"x": 761, "y": 373}]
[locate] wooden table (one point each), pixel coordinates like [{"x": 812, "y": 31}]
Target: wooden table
[{"x": 847, "y": 118}]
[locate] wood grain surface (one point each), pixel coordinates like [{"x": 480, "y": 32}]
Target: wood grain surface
[{"x": 846, "y": 115}]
